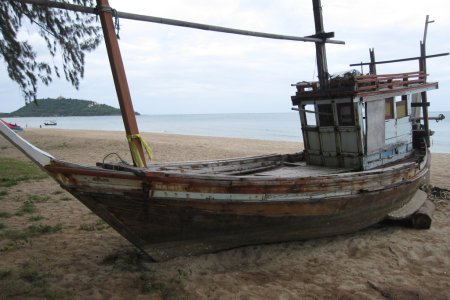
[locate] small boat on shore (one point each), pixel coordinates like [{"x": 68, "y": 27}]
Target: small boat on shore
[
  {"x": 50, "y": 123},
  {"x": 366, "y": 156},
  {"x": 12, "y": 126}
]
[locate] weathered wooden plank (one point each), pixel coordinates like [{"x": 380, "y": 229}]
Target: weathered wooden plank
[{"x": 166, "y": 229}]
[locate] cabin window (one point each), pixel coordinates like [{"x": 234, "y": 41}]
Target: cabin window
[
  {"x": 402, "y": 107},
  {"x": 325, "y": 114},
  {"x": 309, "y": 112},
  {"x": 345, "y": 114},
  {"x": 389, "y": 108}
]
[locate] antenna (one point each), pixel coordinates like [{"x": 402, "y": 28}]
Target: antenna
[{"x": 426, "y": 29}]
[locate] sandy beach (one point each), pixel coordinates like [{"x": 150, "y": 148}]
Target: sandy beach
[{"x": 82, "y": 258}]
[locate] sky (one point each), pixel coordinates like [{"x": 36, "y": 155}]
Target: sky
[{"x": 173, "y": 70}]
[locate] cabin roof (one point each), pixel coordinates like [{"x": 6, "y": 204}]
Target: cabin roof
[{"x": 365, "y": 86}]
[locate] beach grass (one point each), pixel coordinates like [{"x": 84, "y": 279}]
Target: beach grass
[
  {"x": 98, "y": 225},
  {"x": 13, "y": 171},
  {"x": 16, "y": 238},
  {"x": 38, "y": 198},
  {"x": 29, "y": 283},
  {"x": 5, "y": 214},
  {"x": 150, "y": 283},
  {"x": 35, "y": 218},
  {"x": 31, "y": 231},
  {"x": 4, "y": 274},
  {"x": 130, "y": 260},
  {"x": 28, "y": 207}
]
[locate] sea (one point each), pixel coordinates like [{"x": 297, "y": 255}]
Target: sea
[{"x": 261, "y": 126}]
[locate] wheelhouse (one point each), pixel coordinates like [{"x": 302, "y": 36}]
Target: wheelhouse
[{"x": 362, "y": 121}]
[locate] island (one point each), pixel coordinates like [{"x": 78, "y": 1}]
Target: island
[{"x": 63, "y": 107}]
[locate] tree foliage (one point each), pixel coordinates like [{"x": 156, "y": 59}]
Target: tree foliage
[{"x": 66, "y": 33}]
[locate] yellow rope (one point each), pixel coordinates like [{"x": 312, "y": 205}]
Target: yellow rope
[{"x": 135, "y": 152}]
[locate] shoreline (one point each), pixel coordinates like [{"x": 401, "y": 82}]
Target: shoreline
[
  {"x": 259, "y": 126},
  {"x": 91, "y": 146},
  {"x": 87, "y": 132}
]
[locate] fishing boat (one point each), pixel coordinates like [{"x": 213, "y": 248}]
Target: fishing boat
[
  {"x": 366, "y": 156},
  {"x": 50, "y": 123},
  {"x": 12, "y": 126}
]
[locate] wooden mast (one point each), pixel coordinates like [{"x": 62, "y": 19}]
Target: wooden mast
[
  {"x": 121, "y": 84},
  {"x": 372, "y": 66},
  {"x": 321, "y": 54},
  {"x": 425, "y": 103},
  {"x": 423, "y": 68}
]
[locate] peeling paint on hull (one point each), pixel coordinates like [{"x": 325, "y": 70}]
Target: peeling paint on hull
[{"x": 169, "y": 215}]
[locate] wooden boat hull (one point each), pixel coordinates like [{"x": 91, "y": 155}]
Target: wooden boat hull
[
  {"x": 170, "y": 215},
  {"x": 185, "y": 209}
]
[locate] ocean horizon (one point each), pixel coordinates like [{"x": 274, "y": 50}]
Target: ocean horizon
[{"x": 261, "y": 126}]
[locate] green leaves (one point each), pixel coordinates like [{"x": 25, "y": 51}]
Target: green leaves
[{"x": 65, "y": 33}]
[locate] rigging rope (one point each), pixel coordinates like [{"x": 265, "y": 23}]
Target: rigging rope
[
  {"x": 436, "y": 193},
  {"x": 117, "y": 154},
  {"x": 116, "y": 22}
]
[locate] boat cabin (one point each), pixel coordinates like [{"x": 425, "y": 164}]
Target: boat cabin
[{"x": 360, "y": 122}]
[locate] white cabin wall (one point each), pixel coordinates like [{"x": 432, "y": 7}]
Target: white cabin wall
[
  {"x": 416, "y": 112},
  {"x": 397, "y": 141},
  {"x": 398, "y": 130}
]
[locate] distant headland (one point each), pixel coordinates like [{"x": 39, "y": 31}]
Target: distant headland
[{"x": 63, "y": 107}]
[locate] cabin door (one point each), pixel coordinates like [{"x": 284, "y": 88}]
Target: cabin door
[
  {"x": 375, "y": 132},
  {"x": 334, "y": 140}
]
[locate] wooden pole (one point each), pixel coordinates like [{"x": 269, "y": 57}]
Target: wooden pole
[
  {"x": 423, "y": 68},
  {"x": 120, "y": 81},
  {"x": 321, "y": 54},
  {"x": 372, "y": 66},
  {"x": 427, "y": 21}
]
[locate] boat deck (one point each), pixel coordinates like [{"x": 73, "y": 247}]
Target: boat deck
[
  {"x": 301, "y": 170},
  {"x": 273, "y": 165},
  {"x": 269, "y": 165},
  {"x": 277, "y": 170}
]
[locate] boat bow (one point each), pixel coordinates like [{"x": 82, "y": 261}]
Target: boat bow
[{"x": 40, "y": 157}]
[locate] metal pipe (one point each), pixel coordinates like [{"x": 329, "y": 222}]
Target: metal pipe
[
  {"x": 180, "y": 23},
  {"x": 440, "y": 117},
  {"x": 311, "y": 111},
  {"x": 399, "y": 60}
]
